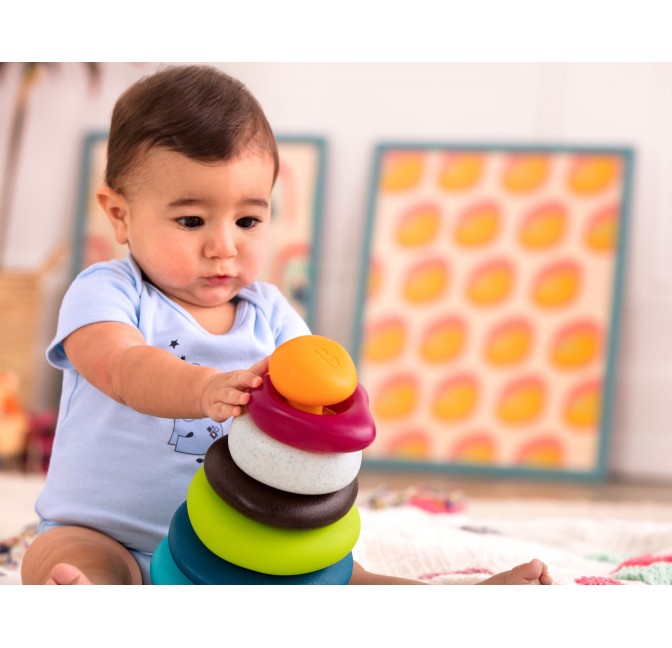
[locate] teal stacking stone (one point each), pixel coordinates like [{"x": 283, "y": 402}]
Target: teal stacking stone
[
  {"x": 163, "y": 570},
  {"x": 202, "y": 567}
]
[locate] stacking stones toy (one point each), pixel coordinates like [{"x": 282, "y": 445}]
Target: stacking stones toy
[{"x": 274, "y": 502}]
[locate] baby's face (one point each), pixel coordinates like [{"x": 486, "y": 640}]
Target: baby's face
[{"x": 200, "y": 232}]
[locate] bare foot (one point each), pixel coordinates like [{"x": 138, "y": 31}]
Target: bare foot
[
  {"x": 64, "y": 574},
  {"x": 534, "y": 572}
]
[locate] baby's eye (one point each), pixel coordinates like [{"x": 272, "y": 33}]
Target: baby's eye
[
  {"x": 247, "y": 222},
  {"x": 190, "y": 222}
]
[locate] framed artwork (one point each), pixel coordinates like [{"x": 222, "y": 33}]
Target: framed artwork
[
  {"x": 487, "y": 319},
  {"x": 295, "y": 217}
]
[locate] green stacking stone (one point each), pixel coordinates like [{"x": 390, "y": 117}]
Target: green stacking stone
[{"x": 244, "y": 542}]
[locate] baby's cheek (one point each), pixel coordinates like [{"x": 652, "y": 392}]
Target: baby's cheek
[
  {"x": 253, "y": 268},
  {"x": 176, "y": 270}
]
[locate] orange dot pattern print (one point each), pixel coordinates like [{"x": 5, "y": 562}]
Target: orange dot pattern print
[{"x": 485, "y": 323}]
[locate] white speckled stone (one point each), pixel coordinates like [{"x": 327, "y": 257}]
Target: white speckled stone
[{"x": 289, "y": 469}]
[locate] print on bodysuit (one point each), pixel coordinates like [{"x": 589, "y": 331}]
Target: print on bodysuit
[{"x": 193, "y": 436}]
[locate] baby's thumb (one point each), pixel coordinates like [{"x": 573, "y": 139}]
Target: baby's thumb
[{"x": 260, "y": 368}]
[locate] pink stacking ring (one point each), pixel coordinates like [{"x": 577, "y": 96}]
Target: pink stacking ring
[{"x": 348, "y": 429}]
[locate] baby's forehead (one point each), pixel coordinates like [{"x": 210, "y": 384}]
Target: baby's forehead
[
  {"x": 161, "y": 171},
  {"x": 151, "y": 160},
  {"x": 161, "y": 157}
]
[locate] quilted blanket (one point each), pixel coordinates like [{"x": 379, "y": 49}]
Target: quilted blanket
[{"x": 450, "y": 538}]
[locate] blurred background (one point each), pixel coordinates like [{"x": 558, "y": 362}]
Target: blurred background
[{"x": 47, "y": 111}]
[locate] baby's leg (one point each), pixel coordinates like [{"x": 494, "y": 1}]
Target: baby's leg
[
  {"x": 71, "y": 555},
  {"x": 534, "y": 572}
]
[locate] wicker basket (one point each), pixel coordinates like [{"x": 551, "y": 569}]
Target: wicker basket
[{"x": 21, "y": 301}]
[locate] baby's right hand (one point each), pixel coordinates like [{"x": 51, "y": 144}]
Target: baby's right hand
[{"x": 227, "y": 393}]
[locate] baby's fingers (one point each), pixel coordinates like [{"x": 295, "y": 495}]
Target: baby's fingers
[
  {"x": 226, "y": 395},
  {"x": 229, "y": 404},
  {"x": 245, "y": 380},
  {"x": 260, "y": 368},
  {"x": 222, "y": 411}
]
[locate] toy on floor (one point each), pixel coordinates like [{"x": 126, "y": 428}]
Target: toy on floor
[
  {"x": 14, "y": 421},
  {"x": 274, "y": 502}
]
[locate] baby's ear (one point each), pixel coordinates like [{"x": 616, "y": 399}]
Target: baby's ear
[{"x": 116, "y": 208}]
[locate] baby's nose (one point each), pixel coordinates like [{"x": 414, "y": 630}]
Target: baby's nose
[{"x": 220, "y": 244}]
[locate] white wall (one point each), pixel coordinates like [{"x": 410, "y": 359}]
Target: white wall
[{"x": 353, "y": 106}]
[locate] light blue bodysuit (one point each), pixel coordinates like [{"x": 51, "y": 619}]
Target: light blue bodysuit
[{"x": 119, "y": 471}]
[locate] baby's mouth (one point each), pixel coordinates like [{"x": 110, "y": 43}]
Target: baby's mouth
[{"x": 218, "y": 280}]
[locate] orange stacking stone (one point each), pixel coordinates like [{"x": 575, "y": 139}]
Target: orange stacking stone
[{"x": 312, "y": 371}]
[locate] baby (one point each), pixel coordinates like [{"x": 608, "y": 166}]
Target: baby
[{"x": 151, "y": 347}]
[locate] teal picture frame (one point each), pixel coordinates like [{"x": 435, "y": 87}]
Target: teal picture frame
[{"x": 598, "y": 467}]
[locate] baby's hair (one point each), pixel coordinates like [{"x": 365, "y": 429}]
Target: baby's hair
[{"x": 196, "y": 110}]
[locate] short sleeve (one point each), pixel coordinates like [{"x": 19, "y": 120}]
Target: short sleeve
[{"x": 104, "y": 292}]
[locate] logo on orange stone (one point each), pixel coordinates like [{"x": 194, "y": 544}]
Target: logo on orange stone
[{"x": 331, "y": 360}]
